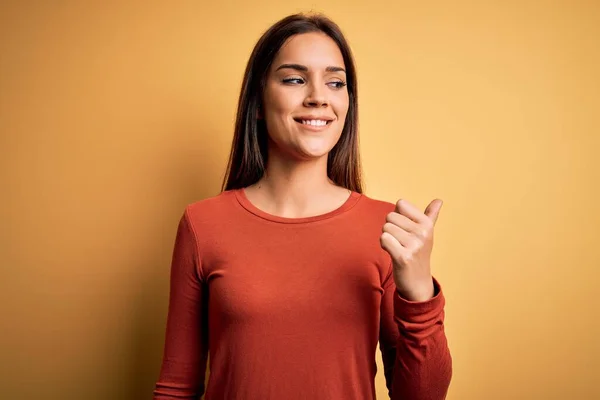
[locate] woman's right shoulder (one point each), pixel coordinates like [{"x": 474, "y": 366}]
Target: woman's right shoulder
[{"x": 217, "y": 206}]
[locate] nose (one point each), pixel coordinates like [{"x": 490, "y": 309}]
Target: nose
[{"x": 316, "y": 97}]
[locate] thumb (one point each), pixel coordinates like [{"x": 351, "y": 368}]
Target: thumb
[{"x": 433, "y": 209}]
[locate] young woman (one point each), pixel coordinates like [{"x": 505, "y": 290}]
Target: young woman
[{"x": 291, "y": 276}]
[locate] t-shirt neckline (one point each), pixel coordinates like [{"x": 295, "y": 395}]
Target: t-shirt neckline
[{"x": 243, "y": 200}]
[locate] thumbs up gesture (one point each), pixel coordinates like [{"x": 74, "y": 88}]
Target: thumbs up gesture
[{"x": 408, "y": 238}]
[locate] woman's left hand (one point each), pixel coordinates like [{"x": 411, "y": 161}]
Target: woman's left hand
[{"x": 408, "y": 238}]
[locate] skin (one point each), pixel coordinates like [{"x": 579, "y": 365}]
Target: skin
[
  {"x": 408, "y": 238},
  {"x": 295, "y": 183},
  {"x": 292, "y": 92},
  {"x": 307, "y": 79}
]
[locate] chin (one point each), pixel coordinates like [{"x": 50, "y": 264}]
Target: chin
[
  {"x": 306, "y": 148},
  {"x": 313, "y": 153},
  {"x": 316, "y": 147}
]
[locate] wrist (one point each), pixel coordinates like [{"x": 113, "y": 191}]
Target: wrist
[{"x": 421, "y": 294}]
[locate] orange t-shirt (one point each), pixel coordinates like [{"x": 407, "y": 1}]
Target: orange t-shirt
[{"x": 293, "y": 308}]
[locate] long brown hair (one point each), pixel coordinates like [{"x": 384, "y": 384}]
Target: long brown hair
[{"x": 248, "y": 155}]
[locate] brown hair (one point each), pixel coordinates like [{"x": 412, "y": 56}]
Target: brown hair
[{"x": 248, "y": 155}]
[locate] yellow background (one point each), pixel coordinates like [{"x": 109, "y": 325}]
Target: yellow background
[{"x": 114, "y": 116}]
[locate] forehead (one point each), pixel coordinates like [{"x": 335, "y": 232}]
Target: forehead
[{"x": 315, "y": 50}]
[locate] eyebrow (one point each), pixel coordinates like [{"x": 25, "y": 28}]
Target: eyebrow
[{"x": 303, "y": 68}]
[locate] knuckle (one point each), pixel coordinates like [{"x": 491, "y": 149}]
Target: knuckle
[
  {"x": 415, "y": 246},
  {"x": 407, "y": 257}
]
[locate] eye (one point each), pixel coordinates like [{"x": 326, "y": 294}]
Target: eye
[
  {"x": 337, "y": 84},
  {"x": 293, "y": 81}
]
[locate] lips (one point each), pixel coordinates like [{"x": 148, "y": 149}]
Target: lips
[{"x": 315, "y": 121}]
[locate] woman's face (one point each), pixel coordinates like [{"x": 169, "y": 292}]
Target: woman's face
[{"x": 306, "y": 98}]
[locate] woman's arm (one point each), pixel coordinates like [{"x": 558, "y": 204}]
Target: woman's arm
[
  {"x": 415, "y": 353},
  {"x": 186, "y": 346}
]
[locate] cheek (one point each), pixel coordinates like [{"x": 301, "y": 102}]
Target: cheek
[
  {"x": 280, "y": 101},
  {"x": 341, "y": 105},
  {"x": 276, "y": 110}
]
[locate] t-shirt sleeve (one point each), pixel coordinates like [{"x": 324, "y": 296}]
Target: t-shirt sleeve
[
  {"x": 415, "y": 353},
  {"x": 186, "y": 342}
]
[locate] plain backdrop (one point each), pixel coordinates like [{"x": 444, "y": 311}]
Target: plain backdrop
[{"x": 115, "y": 115}]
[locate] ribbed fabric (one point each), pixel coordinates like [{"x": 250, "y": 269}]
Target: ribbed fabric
[{"x": 294, "y": 308}]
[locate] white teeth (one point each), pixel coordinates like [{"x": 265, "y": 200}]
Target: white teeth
[{"x": 314, "y": 122}]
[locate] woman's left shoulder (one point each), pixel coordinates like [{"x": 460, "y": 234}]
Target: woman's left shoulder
[{"x": 376, "y": 205}]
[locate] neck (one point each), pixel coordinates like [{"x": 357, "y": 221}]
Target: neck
[
  {"x": 292, "y": 187},
  {"x": 285, "y": 178}
]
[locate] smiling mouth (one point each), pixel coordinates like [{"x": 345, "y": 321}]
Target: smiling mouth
[{"x": 313, "y": 122}]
